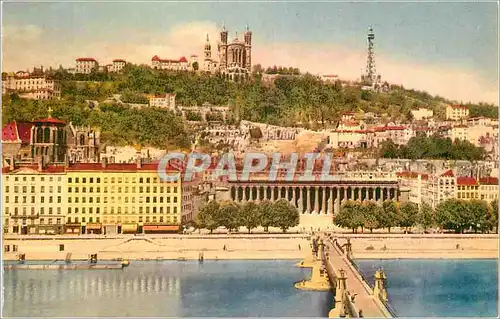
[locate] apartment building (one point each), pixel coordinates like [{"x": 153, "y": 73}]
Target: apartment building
[
  {"x": 169, "y": 64},
  {"x": 467, "y": 188},
  {"x": 488, "y": 188},
  {"x": 34, "y": 199},
  {"x": 439, "y": 187},
  {"x": 91, "y": 198},
  {"x": 165, "y": 101},
  {"x": 31, "y": 85},
  {"x": 86, "y": 65},
  {"x": 415, "y": 183},
  {"x": 456, "y": 112}
]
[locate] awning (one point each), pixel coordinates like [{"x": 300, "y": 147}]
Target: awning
[
  {"x": 93, "y": 226},
  {"x": 129, "y": 228},
  {"x": 71, "y": 225},
  {"x": 161, "y": 228}
]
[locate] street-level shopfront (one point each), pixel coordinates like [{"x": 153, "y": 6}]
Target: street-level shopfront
[
  {"x": 94, "y": 228},
  {"x": 72, "y": 229},
  {"x": 160, "y": 229}
]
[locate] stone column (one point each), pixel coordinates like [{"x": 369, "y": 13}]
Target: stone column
[
  {"x": 316, "y": 200},
  {"x": 308, "y": 200},
  {"x": 244, "y": 196},
  {"x": 330, "y": 208},
  {"x": 301, "y": 204},
  {"x": 293, "y": 196},
  {"x": 273, "y": 189},
  {"x": 323, "y": 201},
  {"x": 345, "y": 194}
]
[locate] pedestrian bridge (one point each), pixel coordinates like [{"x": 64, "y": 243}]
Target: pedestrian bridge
[{"x": 353, "y": 296}]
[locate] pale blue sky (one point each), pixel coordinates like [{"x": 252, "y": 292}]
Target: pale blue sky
[{"x": 458, "y": 35}]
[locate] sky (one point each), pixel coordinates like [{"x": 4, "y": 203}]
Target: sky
[{"x": 449, "y": 49}]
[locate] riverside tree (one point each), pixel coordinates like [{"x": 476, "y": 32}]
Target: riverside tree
[
  {"x": 370, "y": 212},
  {"x": 249, "y": 215},
  {"x": 285, "y": 214},
  {"x": 389, "y": 216},
  {"x": 228, "y": 215},
  {"x": 350, "y": 216},
  {"x": 207, "y": 216},
  {"x": 460, "y": 215},
  {"x": 408, "y": 214},
  {"x": 266, "y": 214},
  {"x": 425, "y": 217}
]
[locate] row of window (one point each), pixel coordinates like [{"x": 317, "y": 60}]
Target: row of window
[
  {"x": 32, "y": 210},
  {"x": 459, "y": 187},
  {"x": 24, "y": 199},
  {"x": 70, "y": 220},
  {"x": 115, "y": 189},
  {"x": 140, "y": 200},
  {"x": 33, "y": 189},
  {"x": 113, "y": 180},
  {"x": 133, "y": 210},
  {"x": 25, "y": 178}
]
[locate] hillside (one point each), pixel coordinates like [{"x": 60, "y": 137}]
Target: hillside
[{"x": 290, "y": 100}]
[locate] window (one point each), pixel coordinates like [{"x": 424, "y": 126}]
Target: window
[
  {"x": 69, "y": 189},
  {"x": 175, "y": 189},
  {"x": 59, "y": 189},
  {"x": 59, "y": 199},
  {"x": 91, "y": 210},
  {"x": 69, "y": 210},
  {"x": 161, "y": 199},
  {"x": 91, "y": 199},
  {"x": 83, "y": 219},
  {"x": 50, "y": 199},
  {"x": 98, "y": 180},
  {"x": 97, "y": 210},
  {"x": 6, "y": 199},
  {"x": 84, "y": 180},
  {"x": 175, "y": 210},
  {"x": 84, "y": 190},
  {"x": 141, "y": 180},
  {"x": 77, "y": 180},
  {"x": 7, "y": 189},
  {"x": 98, "y": 200},
  {"x": 42, "y": 199},
  {"x": 51, "y": 189},
  {"x": 42, "y": 210},
  {"x": 91, "y": 189},
  {"x": 76, "y": 190},
  {"x": 32, "y": 199},
  {"x": 76, "y": 200}
]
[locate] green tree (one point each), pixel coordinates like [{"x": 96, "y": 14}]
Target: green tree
[
  {"x": 266, "y": 214},
  {"x": 494, "y": 208},
  {"x": 480, "y": 214},
  {"x": 371, "y": 211},
  {"x": 408, "y": 214},
  {"x": 249, "y": 215},
  {"x": 228, "y": 215},
  {"x": 196, "y": 66},
  {"x": 425, "y": 217},
  {"x": 453, "y": 214},
  {"x": 390, "y": 216},
  {"x": 286, "y": 215},
  {"x": 350, "y": 216},
  {"x": 207, "y": 216}
]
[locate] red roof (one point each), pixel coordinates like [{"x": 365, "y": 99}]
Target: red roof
[
  {"x": 85, "y": 59},
  {"x": 119, "y": 60},
  {"x": 9, "y": 132},
  {"x": 488, "y": 181},
  {"x": 466, "y": 180},
  {"x": 50, "y": 121},
  {"x": 183, "y": 59},
  {"x": 155, "y": 58},
  {"x": 127, "y": 167},
  {"x": 24, "y": 132},
  {"x": 448, "y": 173}
]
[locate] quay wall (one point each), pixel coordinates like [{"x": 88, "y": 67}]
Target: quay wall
[{"x": 430, "y": 246}]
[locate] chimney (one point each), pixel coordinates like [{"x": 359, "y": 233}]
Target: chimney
[
  {"x": 139, "y": 162},
  {"x": 104, "y": 162}
]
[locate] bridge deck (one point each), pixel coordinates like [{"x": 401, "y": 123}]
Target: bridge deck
[{"x": 364, "y": 300}]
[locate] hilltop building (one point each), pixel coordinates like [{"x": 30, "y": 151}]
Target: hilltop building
[
  {"x": 86, "y": 65},
  {"x": 166, "y": 101},
  {"x": 235, "y": 57},
  {"x": 169, "y": 64},
  {"x": 34, "y": 85},
  {"x": 456, "y": 112}
]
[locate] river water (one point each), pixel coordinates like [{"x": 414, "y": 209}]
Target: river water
[
  {"x": 166, "y": 289},
  {"x": 440, "y": 287},
  {"x": 421, "y": 288}
]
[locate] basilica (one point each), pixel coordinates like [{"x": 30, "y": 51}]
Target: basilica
[{"x": 234, "y": 57}]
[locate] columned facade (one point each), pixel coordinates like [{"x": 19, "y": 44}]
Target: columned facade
[{"x": 315, "y": 200}]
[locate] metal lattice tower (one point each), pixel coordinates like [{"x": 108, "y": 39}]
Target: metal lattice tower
[{"x": 370, "y": 76}]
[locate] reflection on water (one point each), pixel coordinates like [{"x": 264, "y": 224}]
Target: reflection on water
[
  {"x": 439, "y": 288},
  {"x": 186, "y": 289}
]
